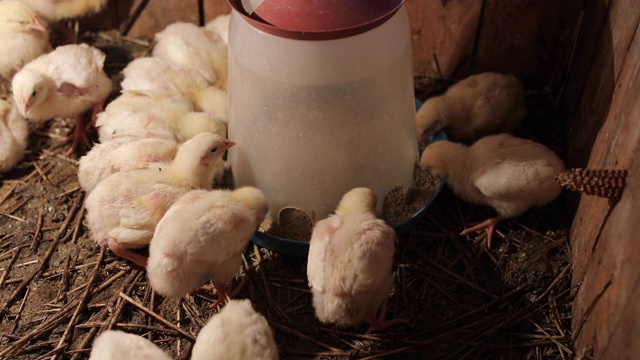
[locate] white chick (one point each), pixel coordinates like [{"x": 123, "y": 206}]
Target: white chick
[
  {"x": 141, "y": 116},
  {"x": 482, "y": 104},
  {"x": 14, "y": 133},
  {"x": 201, "y": 238},
  {"x": 237, "y": 332},
  {"x": 349, "y": 264},
  {"x": 22, "y": 37},
  {"x": 220, "y": 27},
  {"x": 56, "y": 10},
  {"x": 65, "y": 83},
  {"x": 193, "y": 47},
  {"x": 156, "y": 77},
  {"x": 124, "y": 208},
  {"x": 119, "y": 345},
  {"x": 120, "y": 155},
  {"x": 504, "y": 172}
]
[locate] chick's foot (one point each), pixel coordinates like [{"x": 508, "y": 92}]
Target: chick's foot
[
  {"x": 488, "y": 226},
  {"x": 378, "y": 323},
  {"x": 221, "y": 291},
  {"x": 130, "y": 255}
]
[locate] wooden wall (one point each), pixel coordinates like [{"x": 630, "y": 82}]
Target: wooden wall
[
  {"x": 526, "y": 38},
  {"x": 604, "y": 132}
]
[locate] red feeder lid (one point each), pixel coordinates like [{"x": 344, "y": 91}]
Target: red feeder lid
[{"x": 316, "y": 19}]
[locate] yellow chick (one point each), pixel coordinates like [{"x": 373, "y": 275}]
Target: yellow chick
[
  {"x": 237, "y": 332},
  {"x": 504, "y": 172},
  {"x": 56, "y": 10},
  {"x": 156, "y": 77},
  {"x": 63, "y": 83},
  {"x": 14, "y": 134},
  {"x": 202, "y": 238},
  {"x": 22, "y": 37},
  {"x": 482, "y": 104},
  {"x": 195, "y": 48},
  {"x": 350, "y": 261},
  {"x": 119, "y": 345},
  {"x": 124, "y": 208}
]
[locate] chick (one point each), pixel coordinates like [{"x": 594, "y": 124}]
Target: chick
[
  {"x": 14, "y": 133},
  {"x": 482, "y": 104},
  {"x": 124, "y": 208},
  {"x": 120, "y": 155},
  {"x": 236, "y": 332},
  {"x": 349, "y": 264},
  {"x": 220, "y": 27},
  {"x": 141, "y": 116},
  {"x": 201, "y": 238},
  {"x": 22, "y": 37},
  {"x": 65, "y": 83},
  {"x": 504, "y": 172},
  {"x": 119, "y": 345},
  {"x": 56, "y": 10},
  {"x": 156, "y": 77},
  {"x": 195, "y": 48}
]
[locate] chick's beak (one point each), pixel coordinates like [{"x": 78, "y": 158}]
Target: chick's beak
[
  {"x": 23, "y": 106},
  {"x": 35, "y": 24},
  {"x": 228, "y": 143}
]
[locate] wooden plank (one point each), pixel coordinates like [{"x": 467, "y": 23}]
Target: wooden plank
[
  {"x": 603, "y": 316},
  {"x": 594, "y": 108},
  {"x": 595, "y": 101},
  {"x": 527, "y": 38},
  {"x": 158, "y": 14},
  {"x": 592, "y": 24},
  {"x": 444, "y": 28}
]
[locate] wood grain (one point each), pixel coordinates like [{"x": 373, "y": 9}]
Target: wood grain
[{"x": 604, "y": 245}]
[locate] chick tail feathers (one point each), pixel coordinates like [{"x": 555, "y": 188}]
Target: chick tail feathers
[
  {"x": 334, "y": 309},
  {"x": 169, "y": 277}
]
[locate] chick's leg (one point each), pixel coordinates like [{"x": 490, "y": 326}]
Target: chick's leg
[
  {"x": 221, "y": 291},
  {"x": 488, "y": 226},
  {"x": 79, "y": 137},
  {"x": 377, "y": 323},
  {"x": 125, "y": 253}
]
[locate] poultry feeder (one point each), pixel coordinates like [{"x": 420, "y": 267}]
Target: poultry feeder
[{"x": 320, "y": 101}]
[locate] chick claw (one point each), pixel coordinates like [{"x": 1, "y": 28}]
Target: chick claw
[
  {"x": 378, "y": 323},
  {"x": 221, "y": 291},
  {"x": 488, "y": 226},
  {"x": 124, "y": 253}
]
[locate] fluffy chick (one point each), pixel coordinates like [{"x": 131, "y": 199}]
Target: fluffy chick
[
  {"x": 201, "y": 238},
  {"x": 65, "y": 83},
  {"x": 220, "y": 27},
  {"x": 124, "y": 208},
  {"x": 195, "y": 48},
  {"x": 120, "y": 155},
  {"x": 119, "y": 345},
  {"x": 504, "y": 172},
  {"x": 236, "y": 332},
  {"x": 349, "y": 264},
  {"x": 14, "y": 133},
  {"x": 482, "y": 104},
  {"x": 141, "y": 116},
  {"x": 156, "y": 77},
  {"x": 56, "y": 10},
  {"x": 22, "y": 37}
]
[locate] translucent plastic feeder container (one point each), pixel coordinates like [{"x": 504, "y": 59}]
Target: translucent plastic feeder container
[{"x": 314, "y": 118}]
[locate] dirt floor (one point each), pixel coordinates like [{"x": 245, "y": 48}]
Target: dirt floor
[{"x": 463, "y": 301}]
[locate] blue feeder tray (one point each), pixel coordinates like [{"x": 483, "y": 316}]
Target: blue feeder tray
[{"x": 301, "y": 248}]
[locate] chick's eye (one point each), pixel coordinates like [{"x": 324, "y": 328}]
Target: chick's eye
[
  {"x": 214, "y": 149},
  {"x": 34, "y": 93}
]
